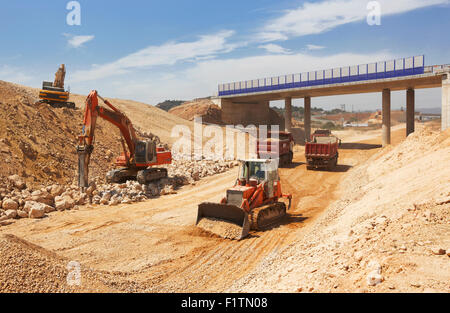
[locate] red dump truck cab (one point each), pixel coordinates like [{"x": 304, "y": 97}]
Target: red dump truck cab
[
  {"x": 322, "y": 150},
  {"x": 278, "y": 145}
]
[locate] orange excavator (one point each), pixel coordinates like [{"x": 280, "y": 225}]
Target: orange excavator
[
  {"x": 252, "y": 203},
  {"x": 138, "y": 157}
]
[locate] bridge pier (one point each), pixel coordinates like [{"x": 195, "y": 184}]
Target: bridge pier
[
  {"x": 307, "y": 118},
  {"x": 410, "y": 111},
  {"x": 288, "y": 114},
  {"x": 445, "y": 111},
  {"x": 386, "y": 123}
]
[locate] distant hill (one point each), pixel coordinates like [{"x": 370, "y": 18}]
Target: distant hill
[
  {"x": 169, "y": 104},
  {"x": 429, "y": 110}
]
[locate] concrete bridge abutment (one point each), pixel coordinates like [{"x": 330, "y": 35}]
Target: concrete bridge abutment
[
  {"x": 445, "y": 112},
  {"x": 250, "y": 113}
]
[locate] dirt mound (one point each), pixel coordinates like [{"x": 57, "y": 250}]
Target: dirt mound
[
  {"x": 204, "y": 108},
  {"x": 30, "y": 268},
  {"x": 220, "y": 228}
]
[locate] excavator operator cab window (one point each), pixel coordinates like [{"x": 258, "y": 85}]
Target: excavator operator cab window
[
  {"x": 139, "y": 152},
  {"x": 151, "y": 151}
]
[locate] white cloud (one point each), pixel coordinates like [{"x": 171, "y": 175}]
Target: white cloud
[
  {"x": 78, "y": 41},
  {"x": 14, "y": 75},
  {"x": 167, "y": 54},
  {"x": 202, "y": 78},
  {"x": 276, "y": 49},
  {"x": 314, "y": 47},
  {"x": 318, "y": 17}
]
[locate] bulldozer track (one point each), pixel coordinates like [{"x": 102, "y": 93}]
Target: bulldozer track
[{"x": 267, "y": 216}]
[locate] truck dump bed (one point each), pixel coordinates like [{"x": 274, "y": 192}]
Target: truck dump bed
[
  {"x": 277, "y": 148},
  {"x": 322, "y": 147}
]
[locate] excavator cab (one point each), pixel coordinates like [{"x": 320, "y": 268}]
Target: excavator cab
[{"x": 145, "y": 152}]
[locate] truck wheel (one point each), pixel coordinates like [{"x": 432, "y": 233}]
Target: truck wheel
[{"x": 291, "y": 156}]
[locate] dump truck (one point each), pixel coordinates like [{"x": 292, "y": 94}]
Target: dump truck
[
  {"x": 281, "y": 148},
  {"x": 252, "y": 203},
  {"x": 322, "y": 150},
  {"x": 53, "y": 93}
]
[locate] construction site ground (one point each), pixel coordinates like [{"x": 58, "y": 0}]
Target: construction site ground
[{"x": 154, "y": 246}]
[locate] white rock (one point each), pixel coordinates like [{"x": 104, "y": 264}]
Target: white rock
[
  {"x": 11, "y": 213},
  {"x": 22, "y": 214},
  {"x": 9, "y": 204},
  {"x": 17, "y": 181},
  {"x": 64, "y": 203},
  {"x": 36, "y": 212},
  {"x": 56, "y": 190}
]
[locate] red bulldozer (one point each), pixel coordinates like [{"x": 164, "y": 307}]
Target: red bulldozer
[{"x": 252, "y": 203}]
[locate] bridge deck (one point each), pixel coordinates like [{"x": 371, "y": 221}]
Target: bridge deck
[{"x": 427, "y": 80}]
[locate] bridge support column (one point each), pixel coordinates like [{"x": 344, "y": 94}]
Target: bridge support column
[
  {"x": 288, "y": 114},
  {"x": 307, "y": 119},
  {"x": 445, "y": 111},
  {"x": 386, "y": 123},
  {"x": 410, "y": 111}
]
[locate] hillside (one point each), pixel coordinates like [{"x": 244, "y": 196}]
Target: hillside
[
  {"x": 145, "y": 117},
  {"x": 38, "y": 141}
]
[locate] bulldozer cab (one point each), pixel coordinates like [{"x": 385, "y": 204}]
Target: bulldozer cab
[{"x": 259, "y": 170}]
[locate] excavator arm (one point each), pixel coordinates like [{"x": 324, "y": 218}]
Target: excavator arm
[{"x": 86, "y": 140}]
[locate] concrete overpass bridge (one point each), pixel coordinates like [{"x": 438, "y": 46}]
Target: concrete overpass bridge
[{"x": 247, "y": 102}]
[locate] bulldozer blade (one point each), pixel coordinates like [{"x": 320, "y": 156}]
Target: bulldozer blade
[{"x": 226, "y": 213}]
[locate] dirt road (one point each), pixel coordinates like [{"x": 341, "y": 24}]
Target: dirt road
[{"x": 153, "y": 245}]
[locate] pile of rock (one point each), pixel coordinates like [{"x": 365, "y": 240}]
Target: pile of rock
[
  {"x": 19, "y": 201},
  {"x": 193, "y": 170}
]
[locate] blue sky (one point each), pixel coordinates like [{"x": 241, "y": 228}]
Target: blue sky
[{"x": 155, "y": 50}]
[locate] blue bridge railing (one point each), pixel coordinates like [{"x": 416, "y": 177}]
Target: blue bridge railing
[{"x": 387, "y": 69}]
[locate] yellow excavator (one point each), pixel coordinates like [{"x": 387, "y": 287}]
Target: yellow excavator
[{"x": 53, "y": 93}]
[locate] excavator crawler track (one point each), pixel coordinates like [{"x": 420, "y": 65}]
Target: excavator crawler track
[
  {"x": 151, "y": 174},
  {"x": 268, "y": 215}
]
